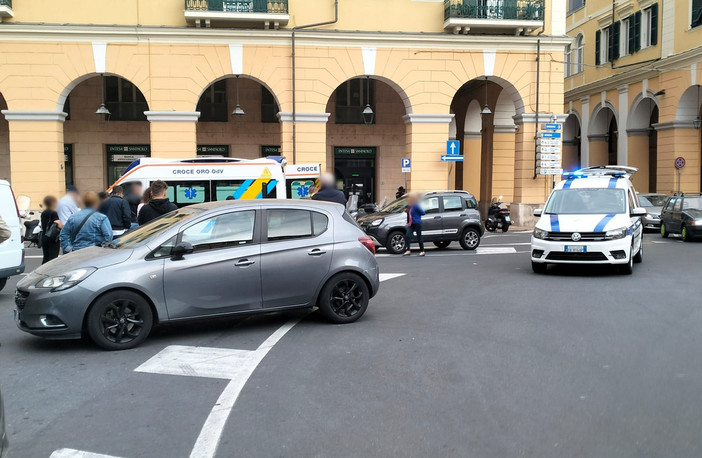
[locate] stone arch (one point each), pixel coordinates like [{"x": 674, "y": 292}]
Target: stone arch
[
  {"x": 505, "y": 110},
  {"x": 572, "y": 132},
  {"x": 473, "y": 123},
  {"x": 72, "y": 85},
  {"x": 397, "y": 88},
  {"x": 689, "y": 105},
  {"x": 242, "y": 76},
  {"x": 598, "y": 120},
  {"x": 640, "y": 111}
]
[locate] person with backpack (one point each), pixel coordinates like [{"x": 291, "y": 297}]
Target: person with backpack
[
  {"x": 159, "y": 204},
  {"x": 50, "y": 229},
  {"x": 87, "y": 227}
]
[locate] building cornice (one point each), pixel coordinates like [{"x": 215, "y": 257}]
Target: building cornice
[
  {"x": 304, "y": 117},
  {"x": 172, "y": 116},
  {"x": 428, "y": 118},
  {"x": 673, "y": 125},
  {"x": 34, "y": 115},
  {"x": 115, "y": 34}
]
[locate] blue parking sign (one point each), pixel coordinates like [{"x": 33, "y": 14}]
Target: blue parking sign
[{"x": 406, "y": 165}]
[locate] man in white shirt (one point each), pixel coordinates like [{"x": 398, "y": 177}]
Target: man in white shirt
[{"x": 68, "y": 204}]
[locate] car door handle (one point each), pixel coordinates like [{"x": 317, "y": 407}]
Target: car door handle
[
  {"x": 244, "y": 263},
  {"x": 462, "y": 215},
  {"x": 437, "y": 217},
  {"x": 316, "y": 252}
]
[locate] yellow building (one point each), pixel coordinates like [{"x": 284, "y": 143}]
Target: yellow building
[
  {"x": 632, "y": 89},
  {"x": 176, "y": 76}
]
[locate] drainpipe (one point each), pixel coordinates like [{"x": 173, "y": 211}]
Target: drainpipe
[
  {"x": 294, "y": 74},
  {"x": 536, "y": 134}
]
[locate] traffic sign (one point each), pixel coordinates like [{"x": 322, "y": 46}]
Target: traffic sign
[
  {"x": 551, "y": 171},
  {"x": 550, "y": 134},
  {"x": 548, "y": 142},
  {"x": 552, "y": 126},
  {"x": 679, "y": 162},
  {"x": 548, "y": 149},
  {"x": 549, "y": 164},
  {"x": 452, "y": 158},
  {"x": 453, "y": 148},
  {"x": 406, "y": 165},
  {"x": 550, "y": 157}
]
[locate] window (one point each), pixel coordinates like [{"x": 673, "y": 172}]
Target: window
[
  {"x": 231, "y": 229},
  {"x": 585, "y": 201},
  {"x": 692, "y": 203},
  {"x": 603, "y": 46},
  {"x": 188, "y": 192},
  {"x": 574, "y": 5},
  {"x": 624, "y": 48},
  {"x": 678, "y": 205},
  {"x": 165, "y": 249},
  {"x": 213, "y": 103},
  {"x": 430, "y": 204},
  {"x": 292, "y": 224},
  {"x": 568, "y": 60},
  {"x": 351, "y": 99},
  {"x": 471, "y": 203},
  {"x": 124, "y": 100},
  {"x": 649, "y": 27},
  {"x": 579, "y": 54},
  {"x": 453, "y": 203},
  {"x": 696, "y": 13},
  {"x": 269, "y": 107}
]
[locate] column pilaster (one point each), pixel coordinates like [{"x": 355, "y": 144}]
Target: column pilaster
[
  {"x": 311, "y": 133},
  {"x": 173, "y": 133},
  {"x": 426, "y": 142}
]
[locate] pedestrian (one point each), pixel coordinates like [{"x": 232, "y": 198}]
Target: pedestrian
[
  {"x": 328, "y": 192},
  {"x": 134, "y": 196},
  {"x": 5, "y": 232},
  {"x": 51, "y": 229},
  {"x": 69, "y": 204},
  {"x": 400, "y": 192},
  {"x": 159, "y": 204},
  {"x": 414, "y": 223},
  {"x": 103, "y": 196},
  {"x": 86, "y": 228},
  {"x": 117, "y": 211},
  {"x": 145, "y": 199}
]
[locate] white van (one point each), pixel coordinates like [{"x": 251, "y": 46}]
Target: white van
[
  {"x": 193, "y": 181},
  {"x": 12, "y": 250}
]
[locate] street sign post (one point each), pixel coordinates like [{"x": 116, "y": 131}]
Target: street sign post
[
  {"x": 552, "y": 126},
  {"x": 549, "y": 157},
  {"x": 553, "y": 172},
  {"x": 548, "y": 142},
  {"x": 549, "y": 148},
  {"x": 550, "y": 134},
  {"x": 679, "y": 164},
  {"x": 453, "y": 154}
]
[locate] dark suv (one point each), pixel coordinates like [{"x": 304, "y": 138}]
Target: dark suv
[
  {"x": 452, "y": 216},
  {"x": 682, "y": 215}
]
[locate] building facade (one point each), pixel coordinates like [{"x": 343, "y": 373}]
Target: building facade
[
  {"x": 249, "y": 78},
  {"x": 632, "y": 89}
]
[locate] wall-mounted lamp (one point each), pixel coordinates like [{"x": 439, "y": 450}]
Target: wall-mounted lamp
[
  {"x": 368, "y": 114},
  {"x": 238, "y": 111},
  {"x": 486, "y": 109},
  {"x": 659, "y": 93},
  {"x": 102, "y": 109}
]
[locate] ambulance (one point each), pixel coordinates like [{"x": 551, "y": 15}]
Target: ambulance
[
  {"x": 206, "y": 179},
  {"x": 591, "y": 217}
]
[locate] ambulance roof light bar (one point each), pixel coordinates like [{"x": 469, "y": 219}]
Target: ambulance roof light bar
[{"x": 617, "y": 171}]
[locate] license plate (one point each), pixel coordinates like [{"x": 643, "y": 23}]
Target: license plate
[
  {"x": 575, "y": 249},
  {"x": 507, "y": 219}
]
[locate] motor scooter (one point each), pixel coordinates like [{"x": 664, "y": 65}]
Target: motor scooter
[{"x": 498, "y": 217}]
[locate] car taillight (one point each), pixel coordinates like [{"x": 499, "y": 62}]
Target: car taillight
[{"x": 368, "y": 243}]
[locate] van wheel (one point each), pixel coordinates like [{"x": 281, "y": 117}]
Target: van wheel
[
  {"x": 539, "y": 267},
  {"x": 443, "y": 244},
  {"x": 396, "y": 242},
  {"x": 344, "y": 298},
  {"x": 638, "y": 257},
  {"x": 119, "y": 320},
  {"x": 628, "y": 268},
  {"x": 3, "y": 282},
  {"x": 470, "y": 239}
]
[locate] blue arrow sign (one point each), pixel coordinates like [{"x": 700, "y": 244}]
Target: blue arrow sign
[
  {"x": 552, "y": 127},
  {"x": 452, "y": 158},
  {"x": 453, "y": 148},
  {"x": 550, "y": 134}
]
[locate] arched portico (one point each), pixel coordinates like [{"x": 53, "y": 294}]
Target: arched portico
[
  {"x": 602, "y": 135},
  {"x": 643, "y": 141}
]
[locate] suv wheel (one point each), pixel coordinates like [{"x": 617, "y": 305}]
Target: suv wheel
[
  {"x": 470, "y": 238},
  {"x": 443, "y": 244},
  {"x": 664, "y": 231},
  {"x": 685, "y": 234},
  {"x": 396, "y": 242}
]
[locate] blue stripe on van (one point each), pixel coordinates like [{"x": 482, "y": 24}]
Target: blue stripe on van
[
  {"x": 243, "y": 188},
  {"x": 603, "y": 222},
  {"x": 567, "y": 184},
  {"x": 613, "y": 182},
  {"x": 555, "y": 225}
]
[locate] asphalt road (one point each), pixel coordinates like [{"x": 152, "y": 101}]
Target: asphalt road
[{"x": 465, "y": 354}]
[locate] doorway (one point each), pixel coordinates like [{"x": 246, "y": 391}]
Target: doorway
[{"x": 355, "y": 172}]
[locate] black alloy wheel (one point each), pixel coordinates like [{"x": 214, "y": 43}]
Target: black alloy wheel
[
  {"x": 120, "y": 320},
  {"x": 344, "y": 299}
]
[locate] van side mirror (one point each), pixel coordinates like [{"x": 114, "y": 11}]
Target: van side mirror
[
  {"x": 638, "y": 211},
  {"x": 181, "y": 250},
  {"x": 538, "y": 212}
]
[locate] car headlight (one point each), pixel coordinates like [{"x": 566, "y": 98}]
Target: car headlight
[
  {"x": 696, "y": 222},
  {"x": 616, "y": 233},
  {"x": 540, "y": 234},
  {"x": 377, "y": 222},
  {"x": 67, "y": 280},
  {"x": 649, "y": 216}
]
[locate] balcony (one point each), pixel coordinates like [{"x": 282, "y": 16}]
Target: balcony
[
  {"x": 6, "y": 9},
  {"x": 269, "y": 13},
  {"x": 493, "y": 16}
]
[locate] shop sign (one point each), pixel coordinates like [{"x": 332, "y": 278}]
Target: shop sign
[
  {"x": 213, "y": 150},
  {"x": 355, "y": 151},
  {"x": 270, "y": 150}
]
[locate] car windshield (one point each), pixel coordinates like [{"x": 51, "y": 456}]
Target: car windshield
[
  {"x": 144, "y": 234},
  {"x": 692, "y": 203},
  {"x": 587, "y": 201},
  {"x": 396, "y": 206},
  {"x": 652, "y": 200}
]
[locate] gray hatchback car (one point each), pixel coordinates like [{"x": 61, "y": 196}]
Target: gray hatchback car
[
  {"x": 205, "y": 260},
  {"x": 451, "y": 216}
]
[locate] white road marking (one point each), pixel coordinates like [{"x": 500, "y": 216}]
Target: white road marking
[
  {"x": 480, "y": 250},
  {"x": 384, "y": 277},
  {"x": 495, "y": 250},
  {"x": 34, "y": 257},
  {"x": 71, "y": 453}
]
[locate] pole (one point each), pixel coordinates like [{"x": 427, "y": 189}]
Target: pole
[
  {"x": 679, "y": 179},
  {"x": 405, "y": 175},
  {"x": 538, "y": 74},
  {"x": 448, "y": 182}
]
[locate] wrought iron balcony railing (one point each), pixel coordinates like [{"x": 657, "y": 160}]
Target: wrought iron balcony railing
[
  {"x": 522, "y": 10},
  {"x": 237, "y": 6}
]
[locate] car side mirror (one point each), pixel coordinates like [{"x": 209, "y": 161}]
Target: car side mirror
[
  {"x": 181, "y": 250},
  {"x": 538, "y": 212},
  {"x": 638, "y": 211}
]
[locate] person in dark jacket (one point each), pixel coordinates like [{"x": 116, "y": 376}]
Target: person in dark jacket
[
  {"x": 159, "y": 204},
  {"x": 134, "y": 198},
  {"x": 414, "y": 223},
  {"x": 50, "y": 247},
  {"x": 117, "y": 211},
  {"x": 328, "y": 191}
]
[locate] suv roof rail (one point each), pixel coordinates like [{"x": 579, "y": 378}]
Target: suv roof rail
[
  {"x": 447, "y": 191},
  {"x": 603, "y": 170}
]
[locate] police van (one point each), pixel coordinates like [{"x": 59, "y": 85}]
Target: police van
[
  {"x": 206, "y": 179},
  {"x": 591, "y": 217}
]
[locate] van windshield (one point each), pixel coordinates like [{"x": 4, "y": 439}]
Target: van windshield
[
  {"x": 143, "y": 235},
  {"x": 396, "y": 206},
  {"x": 587, "y": 201}
]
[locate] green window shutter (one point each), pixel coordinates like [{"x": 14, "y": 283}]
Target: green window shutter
[
  {"x": 632, "y": 35},
  {"x": 615, "y": 40},
  {"x": 610, "y": 44},
  {"x": 654, "y": 24},
  {"x": 637, "y": 31},
  {"x": 597, "y": 47}
]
